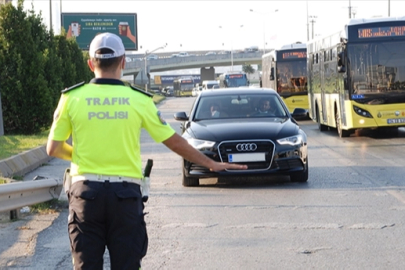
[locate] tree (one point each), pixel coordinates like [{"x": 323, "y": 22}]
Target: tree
[
  {"x": 25, "y": 92},
  {"x": 53, "y": 66},
  {"x": 248, "y": 69},
  {"x": 35, "y": 66}
]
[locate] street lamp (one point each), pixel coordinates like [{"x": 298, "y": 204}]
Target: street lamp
[
  {"x": 146, "y": 61},
  {"x": 264, "y": 26},
  {"x": 231, "y": 47}
]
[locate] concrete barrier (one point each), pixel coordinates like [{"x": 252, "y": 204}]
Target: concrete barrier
[{"x": 25, "y": 162}]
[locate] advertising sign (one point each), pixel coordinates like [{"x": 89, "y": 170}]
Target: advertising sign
[
  {"x": 168, "y": 79},
  {"x": 85, "y": 26}
]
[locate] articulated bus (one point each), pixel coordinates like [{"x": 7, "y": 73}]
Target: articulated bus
[
  {"x": 183, "y": 87},
  {"x": 233, "y": 79},
  {"x": 285, "y": 70},
  {"x": 356, "y": 77}
]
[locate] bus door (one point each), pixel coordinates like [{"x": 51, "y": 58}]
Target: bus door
[
  {"x": 323, "y": 110},
  {"x": 274, "y": 79},
  {"x": 310, "y": 78},
  {"x": 342, "y": 89}
]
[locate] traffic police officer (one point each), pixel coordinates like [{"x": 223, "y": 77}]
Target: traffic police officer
[{"x": 105, "y": 118}]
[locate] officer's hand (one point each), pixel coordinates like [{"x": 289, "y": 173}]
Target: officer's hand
[{"x": 221, "y": 166}]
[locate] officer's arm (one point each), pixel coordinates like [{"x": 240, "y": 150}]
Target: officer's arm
[
  {"x": 180, "y": 146},
  {"x": 59, "y": 149}
]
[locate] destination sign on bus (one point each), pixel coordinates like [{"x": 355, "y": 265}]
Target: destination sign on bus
[
  {"x": 186, "y": 81},
  {"x": 376, "y": 32},
  {"x": 292, "y": 55},
  {"x": 235, "y": 76}
]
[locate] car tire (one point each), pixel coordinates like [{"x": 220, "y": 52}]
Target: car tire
[
  {"x": 300, "y": 177},
  {"x": 190, "y": 181}
]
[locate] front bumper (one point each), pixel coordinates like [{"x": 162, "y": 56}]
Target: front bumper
[{"x": 279, "y": 160}]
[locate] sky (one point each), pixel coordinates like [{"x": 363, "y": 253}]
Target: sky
[{"x": 224, "y": 25}]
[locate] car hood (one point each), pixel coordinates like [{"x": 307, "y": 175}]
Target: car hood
[{"x": 243, "y": 129}]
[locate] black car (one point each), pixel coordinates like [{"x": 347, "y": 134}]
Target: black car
[{"x": 228, "y": 125}]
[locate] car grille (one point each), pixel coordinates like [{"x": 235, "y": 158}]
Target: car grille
[
  {"x": 286, "y": 164},
  {"x": 263, "y": 146}
]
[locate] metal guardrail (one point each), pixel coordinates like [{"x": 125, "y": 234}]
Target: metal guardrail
[{"x": 19, "y": 194}]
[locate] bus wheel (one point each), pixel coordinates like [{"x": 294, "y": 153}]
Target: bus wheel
[
  {"x": 321, "y": 127},
  {"x": 342, "y": 133}
]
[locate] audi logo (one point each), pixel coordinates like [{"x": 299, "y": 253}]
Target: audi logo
[{"x": 244, "y": 147}]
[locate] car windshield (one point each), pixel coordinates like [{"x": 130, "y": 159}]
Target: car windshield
[{"x": 239, "y": 106}]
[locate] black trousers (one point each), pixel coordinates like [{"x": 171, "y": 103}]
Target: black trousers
[{"x": 104, "y": 214}]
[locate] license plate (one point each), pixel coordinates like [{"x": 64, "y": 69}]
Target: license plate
[
  {"x": 248, "y": 157},
  {"x": 396, "y": 121}
]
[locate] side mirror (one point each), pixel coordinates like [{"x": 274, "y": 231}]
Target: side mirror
[
  {"x": 181, "y": 116},
  {"x": 272, "y": 74},
  {"x": 341, "y": 63},
  {"x": 341, "y": 69}
]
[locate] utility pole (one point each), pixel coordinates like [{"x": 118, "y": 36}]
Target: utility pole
[
  {"x": 307, "y": 23},
  {"x": 389, "y": 8},
  {"x": 350, "y": 10},
  {"x": 146, "y": 65},
  {"x": 312, "y": 21},
  {"x": 50, "y": 15}
]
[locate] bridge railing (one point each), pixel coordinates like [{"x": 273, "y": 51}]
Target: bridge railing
[{"x": 140, "y": 64}]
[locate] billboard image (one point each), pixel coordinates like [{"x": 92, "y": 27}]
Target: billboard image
[{"x": 85, "y": 26}]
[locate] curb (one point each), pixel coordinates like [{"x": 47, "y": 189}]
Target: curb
[{"x": 23, "y": 163}]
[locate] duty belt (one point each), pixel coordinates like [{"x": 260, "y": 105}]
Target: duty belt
[{"x": 102, "y": 178}]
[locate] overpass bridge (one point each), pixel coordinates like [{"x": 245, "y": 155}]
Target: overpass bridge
[{"x": 195, "y": 61}]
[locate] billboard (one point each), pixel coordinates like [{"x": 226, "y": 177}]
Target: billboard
[
  {"x": 168, "y": 79},
  {"x": 85, "y": 26}
]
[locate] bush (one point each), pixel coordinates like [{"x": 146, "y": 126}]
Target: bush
[{"x": 36, "y": 65}]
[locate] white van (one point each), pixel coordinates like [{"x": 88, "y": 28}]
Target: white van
[{"x": 210, "y": 85}]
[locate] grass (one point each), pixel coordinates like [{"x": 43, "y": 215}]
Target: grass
[
  {"x": 48, "y": 207},
  {"x": 11, "y": 145}
]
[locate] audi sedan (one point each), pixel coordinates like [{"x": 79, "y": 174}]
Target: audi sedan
[{"x": 249, "y": 126}]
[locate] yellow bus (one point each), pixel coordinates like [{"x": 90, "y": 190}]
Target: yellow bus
[
  {"x": 183, "y": 87},
  {"x": 356, "y": 77},
  {"x": 285, "y": 70}
]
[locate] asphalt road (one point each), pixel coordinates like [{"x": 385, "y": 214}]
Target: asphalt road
[{"x": 350, "y": 214}]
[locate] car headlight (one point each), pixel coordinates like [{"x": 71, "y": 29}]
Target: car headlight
[
  {"x": 200, "y": 144},
  {"x": 293, "y": 140}
]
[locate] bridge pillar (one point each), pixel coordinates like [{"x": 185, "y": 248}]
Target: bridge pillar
[{"x": 207, "y": 74}]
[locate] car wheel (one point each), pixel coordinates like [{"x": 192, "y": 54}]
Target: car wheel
[
  {"x": 190, "y": 181},
  {"x": 301, "y": 177}
]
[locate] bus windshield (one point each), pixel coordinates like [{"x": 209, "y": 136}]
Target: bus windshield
[
  {"x": 377, "y": 67},
  {"x": 292, "y": 77},
  {"x": 186, "y": 86},
  {"x": 236, "y": 80}
]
